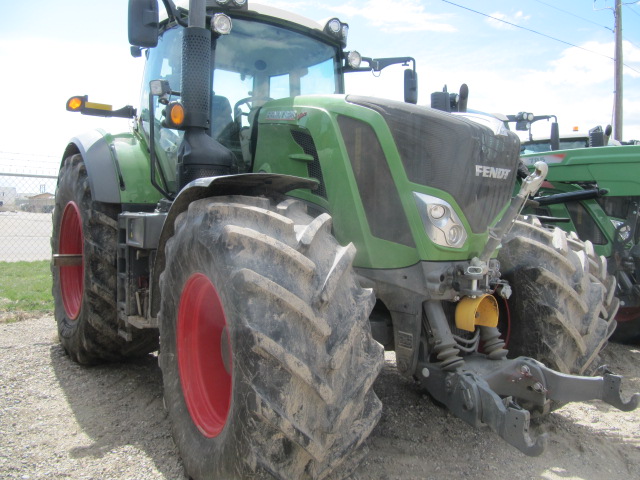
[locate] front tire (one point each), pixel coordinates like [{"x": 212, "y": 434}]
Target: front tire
[
  {"x": 267, "y": 356},
  {"x": 85, "y": 294},
  {"x": 562, "y": 308}
]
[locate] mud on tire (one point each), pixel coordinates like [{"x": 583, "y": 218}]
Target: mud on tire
[
  {"x": 285, "y": 385},
  {"x": 85, "y": 295},
  {"x": 563, "y": 305}
]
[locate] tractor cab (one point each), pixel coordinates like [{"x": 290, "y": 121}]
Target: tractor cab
[
  {"x": 254, "y": 63},
  {"x": 255, "y": 54}
]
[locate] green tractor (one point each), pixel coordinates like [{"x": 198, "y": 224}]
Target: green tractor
[
  {"x": 593, "y": 190},
  {"x": 271, "y": 236}
]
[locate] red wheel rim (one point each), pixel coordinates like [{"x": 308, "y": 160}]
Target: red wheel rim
[
  {"x": 71, "y": 241},
  {"x": 628, "y": 314},
  {"x": 204, "y": 355}
]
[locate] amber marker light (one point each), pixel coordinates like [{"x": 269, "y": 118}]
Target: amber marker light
[
  {"x": 175, "y": 115},
  {"x": 74, "y": 104}
]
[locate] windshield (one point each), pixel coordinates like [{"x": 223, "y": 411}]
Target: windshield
[
  {"x": 545, "y": 145},
  {"x": 278, "y": 62},
  {"x": 255, "y": 63}
]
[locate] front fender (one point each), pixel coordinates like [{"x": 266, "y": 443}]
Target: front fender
[{"x": 249, "y": 184}]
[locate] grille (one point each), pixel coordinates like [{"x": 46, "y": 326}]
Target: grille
[
  {"x": 313, "y": 168},
  {"x": 192, "y": 173},
  {"x": 378, "y": 192}
]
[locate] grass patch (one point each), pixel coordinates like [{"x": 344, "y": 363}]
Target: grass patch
[{"x": 25, "y": 289}]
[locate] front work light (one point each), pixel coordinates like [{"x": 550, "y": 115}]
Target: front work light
[
  {"x": 233, "y": 3},
  {"x": 354, "y": 59},
  {"x": 221, "y": 24},
  {"x": 337, "y": 29},
  {"x": 334, "y": 26},
  {"x": 344, "y": 32},
  {"x": 524, "y": 117}
]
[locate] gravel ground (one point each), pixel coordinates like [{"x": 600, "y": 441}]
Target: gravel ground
[{"x": 59, "y": 420}]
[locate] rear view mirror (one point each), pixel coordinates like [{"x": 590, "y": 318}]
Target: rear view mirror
[
  {"x": 555, "y": 136},
  {"x": 463, "y": 98},
  {"x": 607, "y": 134},
  {"x": 410, "y": 86},
  {"x": 143, "y": 23}
]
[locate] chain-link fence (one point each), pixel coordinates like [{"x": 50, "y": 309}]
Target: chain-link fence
[{"x": 26, "y": 204}]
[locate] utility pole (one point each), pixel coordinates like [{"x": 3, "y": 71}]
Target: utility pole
[{"x": 617, "y": 106}]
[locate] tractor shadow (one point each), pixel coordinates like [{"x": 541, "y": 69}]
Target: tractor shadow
[
  {"x": 419, "y": 439},
  {"x": 119, "y": 405}
]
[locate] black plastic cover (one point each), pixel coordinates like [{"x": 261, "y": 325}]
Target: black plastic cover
[{"x": 378, "y": 192}]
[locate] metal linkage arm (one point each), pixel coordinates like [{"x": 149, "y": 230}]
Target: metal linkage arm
[
  {"x": 488, "y": 392},
  {"x": 528, "y": 379},
  {"x": 471, "y": 399}
]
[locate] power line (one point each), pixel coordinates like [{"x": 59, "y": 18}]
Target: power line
[
  {"x": 631, "y": 9},
  {"x": 611, "y": 8},
  {"x": 573, "y": 15},
  {"x": 536, "y": 32}
]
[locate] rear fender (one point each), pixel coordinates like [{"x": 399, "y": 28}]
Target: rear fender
[
  {"x": 117, "y": 167},
  {"x": 100, "y": 161}
]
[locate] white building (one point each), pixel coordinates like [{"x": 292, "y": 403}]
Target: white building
[{"x": 8, "y": 196}]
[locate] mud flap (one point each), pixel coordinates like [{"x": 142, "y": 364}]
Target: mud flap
[{"x": 488, "y": 391}]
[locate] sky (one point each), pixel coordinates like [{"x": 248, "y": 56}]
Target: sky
[{"x": 546, "y": 57}]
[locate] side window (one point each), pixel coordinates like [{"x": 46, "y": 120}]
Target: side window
[
  {"x": 279, "y": 86},
  {"x": 163, "y": 63},
  {"x": 232, "y": 93},
  {"x": 231, "y": 106},
  {"x": 319, "y": 78}
]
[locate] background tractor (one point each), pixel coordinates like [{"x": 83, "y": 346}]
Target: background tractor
[
  {"x": 274, "y": 234},
  {"x": 593, "y": 189}
]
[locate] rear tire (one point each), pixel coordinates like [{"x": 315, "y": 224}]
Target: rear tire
[
  {"x": 85, "y": 295},
  {"x": 563, "y": 305},
  {"x": 279, "y": 377}
]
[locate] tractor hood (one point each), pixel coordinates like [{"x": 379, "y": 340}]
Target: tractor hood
[{"x": 472, "y": 162}]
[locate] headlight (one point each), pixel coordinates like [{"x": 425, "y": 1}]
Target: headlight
[
  {"x": 437, "y": 211},
  {"x": 623, "y": 230},
  {"x": 441, "y": 223}
]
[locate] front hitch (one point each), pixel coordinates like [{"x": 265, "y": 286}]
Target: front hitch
[{"x": 487, "y": 392}]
